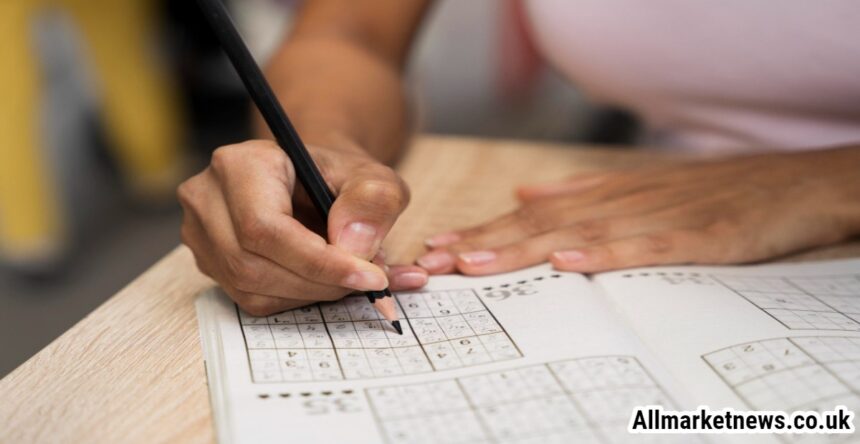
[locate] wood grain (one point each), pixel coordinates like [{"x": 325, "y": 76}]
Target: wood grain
[{"x": 132, "y": 371}]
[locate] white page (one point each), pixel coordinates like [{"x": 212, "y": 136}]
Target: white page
[
  {"x": 553, "y": 364},
  {"x": 771, "y": 337}
]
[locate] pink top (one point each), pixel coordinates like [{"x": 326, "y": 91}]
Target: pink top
[{"x": 714, "y": 75}]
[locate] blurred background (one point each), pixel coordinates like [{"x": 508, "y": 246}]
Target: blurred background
[{"x": 108, "y": 105}]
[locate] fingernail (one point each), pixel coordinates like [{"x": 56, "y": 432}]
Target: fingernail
[
  {"x": 357, "y": 238},
  {"x": 478, "y": 257},
  {"x": 435, "y": 260},
  {"x": 441, "y": 240},
  {"x": 411, "y": 279},
  {"x": 365, "y": 280},
  {"x": 569, "y": 256}
]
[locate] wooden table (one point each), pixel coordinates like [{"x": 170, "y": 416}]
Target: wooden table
[{"x": 132, "y": 371}]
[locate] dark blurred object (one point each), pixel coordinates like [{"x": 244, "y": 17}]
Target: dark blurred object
[
  {"x": 217, "y": 106},
  {"x": 612, "y": 126}
]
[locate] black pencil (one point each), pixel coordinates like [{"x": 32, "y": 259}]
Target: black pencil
[{"x": 285, "y": 134}]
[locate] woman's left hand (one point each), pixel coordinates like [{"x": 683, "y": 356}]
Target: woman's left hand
[{"x": 717, "y": 212}]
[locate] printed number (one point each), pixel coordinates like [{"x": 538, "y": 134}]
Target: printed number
[
  {"x": 502, "y": 294},
  {"x": 320, "y": 406}
]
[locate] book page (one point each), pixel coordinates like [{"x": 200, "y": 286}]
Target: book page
[
  {"x": 532, "y": 356},
  {"x": 770, "y": 337}
]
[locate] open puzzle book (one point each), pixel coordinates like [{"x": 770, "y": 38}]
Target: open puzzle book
[{"x": 540, "y": 356}]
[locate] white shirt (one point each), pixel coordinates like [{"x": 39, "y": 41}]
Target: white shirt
[{"x": 714, "y": 75}]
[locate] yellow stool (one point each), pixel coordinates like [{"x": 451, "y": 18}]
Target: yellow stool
[{"x": 138, "y": 107}]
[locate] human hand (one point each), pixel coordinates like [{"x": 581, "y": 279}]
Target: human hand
[
  {"x": 240, "y": 223},
  {"x": 717, "y": 212}
]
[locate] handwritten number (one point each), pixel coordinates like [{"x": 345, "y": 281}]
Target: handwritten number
[
  {"x": 334, "y": 405},
  {"x": 518, "y": 290}
]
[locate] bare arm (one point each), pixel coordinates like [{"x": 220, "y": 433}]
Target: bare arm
[
  {"x": 338, "y": 77},
  {"x": 338, "y": 73}
]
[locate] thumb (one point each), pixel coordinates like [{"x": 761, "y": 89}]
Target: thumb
[{"x": 365, "y": 210}]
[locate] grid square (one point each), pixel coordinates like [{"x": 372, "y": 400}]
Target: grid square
[
  {"x": 348, "y": 339},
  {"x": 544, "y": 403},
  {"x": 803, "y": 303},
  {"x": 788, "y": 374}
]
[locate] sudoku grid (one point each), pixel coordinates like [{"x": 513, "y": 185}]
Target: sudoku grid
[
  {"x": 579, "y": 400},
  {"x": 348, "y": 339},
  {"x": 810, "y": 303},
  {"x": 789, "y": 374}
]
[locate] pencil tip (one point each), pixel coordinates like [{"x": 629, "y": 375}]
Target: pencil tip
[{"x": 396, "y": 325}]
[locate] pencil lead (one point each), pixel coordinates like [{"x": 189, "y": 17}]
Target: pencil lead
[{"x": 396, "y": 325}]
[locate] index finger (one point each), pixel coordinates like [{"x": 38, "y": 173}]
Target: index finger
[{"x": 256, "y": 179}]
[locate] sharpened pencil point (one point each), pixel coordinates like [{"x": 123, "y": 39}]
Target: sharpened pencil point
[{"x": 396, "y": 325}]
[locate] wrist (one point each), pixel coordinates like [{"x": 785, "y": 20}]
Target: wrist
[
  {"x": 342, "y": 142},
  {"x": 334, "y": 141},
  {"x": 320, "y": 138}
]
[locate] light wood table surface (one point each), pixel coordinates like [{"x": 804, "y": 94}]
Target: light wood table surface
[{"x": 132, "y": 370}]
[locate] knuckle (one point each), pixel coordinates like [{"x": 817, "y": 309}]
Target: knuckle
[
  {"x": 591, "y": 230},
  {"x": 405, "y": 194},
  {"x": 183, "y": 193},
  {"x": 187, "y": 192},
  {"x": 388, "y": 196},
  {"x": 222, "y": 158}
]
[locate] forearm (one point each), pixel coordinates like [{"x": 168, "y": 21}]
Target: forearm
[
  {"x": 338, "y": 94},
  {"x": 339, "y": 73}
]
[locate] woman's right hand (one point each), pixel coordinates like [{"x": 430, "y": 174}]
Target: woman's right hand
[{"x": 239, "y": 221}]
